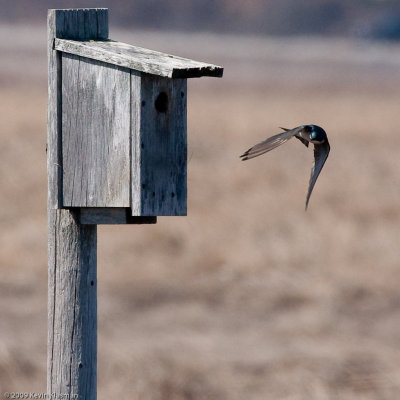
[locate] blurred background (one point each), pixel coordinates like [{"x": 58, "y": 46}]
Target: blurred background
[{"x": 248, "y": 297}]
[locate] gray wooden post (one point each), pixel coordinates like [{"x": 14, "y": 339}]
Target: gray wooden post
[
  {"x": 72, "y": 284},
  {"x": 72, "y": 307}
]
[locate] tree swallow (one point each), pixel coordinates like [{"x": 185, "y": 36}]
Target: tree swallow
[{"x": 306, "y": 134}]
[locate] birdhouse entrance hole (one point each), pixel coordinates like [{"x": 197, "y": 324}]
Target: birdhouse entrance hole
[{"x": 161, "y": 102}]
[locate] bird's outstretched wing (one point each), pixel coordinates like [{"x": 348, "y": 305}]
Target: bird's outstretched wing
[
  {"x": 321, "y": 152},
  {"x": 269, "y": 144}
]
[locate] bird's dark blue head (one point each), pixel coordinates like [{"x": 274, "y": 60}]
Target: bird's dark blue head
[{"x": 317, "y": 134}]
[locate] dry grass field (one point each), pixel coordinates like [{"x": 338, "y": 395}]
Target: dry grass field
[{"x": 249, "y": 296}]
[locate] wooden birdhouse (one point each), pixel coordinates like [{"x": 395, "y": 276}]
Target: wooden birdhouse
[{"x": 117, "y": 123}]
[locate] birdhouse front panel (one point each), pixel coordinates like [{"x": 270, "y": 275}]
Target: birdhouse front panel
[
  {"x": 95, "y": 133},
  {"x": 159, "y": 145}
]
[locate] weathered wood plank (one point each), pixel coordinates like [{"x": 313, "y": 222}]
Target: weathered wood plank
[
  {"x": 102, "y": 24},
  {"x": 99, "y": 216},
  {"x": 82, "y": 23},
  {"x": 96, "y": 133},
  {"x": 159, "y": 145},
  {"x": 65, "y": 24},
  {"x": 72, "y": 306},
  {"x": 112, "y": 216},
  {"x": 139, "y": 59}
]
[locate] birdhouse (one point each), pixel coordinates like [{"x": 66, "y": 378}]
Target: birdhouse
[{"x": 119, "y": 125}]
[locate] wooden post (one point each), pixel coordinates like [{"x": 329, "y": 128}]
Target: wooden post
[
  {"x": 72, "y": 307},
  {"x": 72, "y": 284}
]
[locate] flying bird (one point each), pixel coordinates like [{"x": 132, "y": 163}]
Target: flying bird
[{"x": 306, "y": 134}]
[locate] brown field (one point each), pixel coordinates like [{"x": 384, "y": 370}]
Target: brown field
[{"x": 249, "y": 296}]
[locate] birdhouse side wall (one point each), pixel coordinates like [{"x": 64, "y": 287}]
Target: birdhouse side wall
[{"x": 95, "y": 133}]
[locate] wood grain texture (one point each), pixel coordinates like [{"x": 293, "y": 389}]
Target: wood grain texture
[
  {"x": 111, "y": 216},
  {"x": 95, "y": 133},
  {"x": 139, "y": 59},
  {"x": 83, "y": 24},
  {"x": 159, "y": 145},
  {"x": 72, "y": 306}
]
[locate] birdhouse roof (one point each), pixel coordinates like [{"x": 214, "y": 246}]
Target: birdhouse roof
[{"x": 138, "y": 58}]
